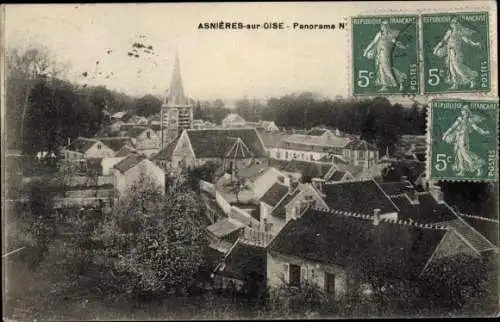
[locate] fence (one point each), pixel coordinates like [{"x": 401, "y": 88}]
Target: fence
[{"x": 256, "y": 237}]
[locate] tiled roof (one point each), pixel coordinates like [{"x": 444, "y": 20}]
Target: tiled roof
[
  {"x": 305, "y": 168},
  {"x": 125, "y": 151},
  {"x": 298, "y": 140},
  {"x": 253, "y": 171},
  {"x": 224, "y": 227},
  {"x": 427, "y": 211},
  {"x": 274, "y": 194},
  {"x": 116, "y": 143},
  {"x": 246, "y": 262},
  {"x": 216, "y": 143},
  {"x": 397, "y": 250},
  {"x": 166, "y": 152},
  {"x": 357, "y": 196},
  {"x": 129, "y": 162},
  {"x": 279, "y": 210},
  {"x": 487, "y": 227},
  {"x": 273, "y": 139},
  {"x": 239, "y": 150},
  {"x": 155, "y": 127},
  {"x": 316, "y": 132},
  {"x": 332, "y": 159},
  {"x": 337, "y": 175},
  {"x": 81, "y": 144},
  {"x": 478, "y": 241},
  {"x": 396, "y": 187}
]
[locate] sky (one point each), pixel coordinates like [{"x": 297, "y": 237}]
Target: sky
[{"x": 226, "y": 64}]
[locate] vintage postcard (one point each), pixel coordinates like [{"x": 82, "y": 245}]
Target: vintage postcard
[{"x": 298, "y": 160}]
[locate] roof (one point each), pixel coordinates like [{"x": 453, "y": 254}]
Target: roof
[
  {"x": 487, "y": 227},
  {"x": 357, "y": 196},
  {"x": 316, "y": 132},
  {"x": 216, "y": 143},
  {"x": 245, "y": 262},
  {"x": 155, "y": 127},
  {"x": 239, "y": 150},
  {"x": 478, "y": 241},
  {"x": 175, "y": 95},
  {"x": 279, "y": 210},
  {"x": 116, "y": 143},
  {"x": 166, "y": 152},
  {"x": 129, "y": 162},
  {"x": 355, "y": 170},
  {"x": 337, "y": 175},
  {"x": 396, "y": 187},
  {"x": 329, "y": 237},
  {"x": 81, "y": 144},
  {"x": 308, "y": 140},
  {"x": 427, "y": 211},
  {"x": 274, "y": 194},
  {"x": 125, "y": 151},
  {"x": 272, "y": 139},
  {"x": 305, "y": 168},
  {"x": 119, "y": 115},
  {"x": 358, "y": 144},
  {"x": 253, "y": 171},
  {"x": 224, "y": 227},
  {"x": 332, "y": 158},
  {"x": 373, "y": 171}
]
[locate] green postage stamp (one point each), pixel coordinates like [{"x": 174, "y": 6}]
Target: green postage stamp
[
  {"x": 385, "y": 55},
  {"x": 456, "y": 52},
  {"x": 463, "y": 138}
]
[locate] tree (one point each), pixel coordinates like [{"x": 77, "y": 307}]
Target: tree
[
  {"x": 153, "y": 243},
  {"x": 147, "y": 105}
]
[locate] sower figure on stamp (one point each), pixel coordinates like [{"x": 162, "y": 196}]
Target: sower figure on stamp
[
  {"x": 380, "y": 49},
  {"x": 458, "y": 135},
  {"x": 450, "y": 47}
]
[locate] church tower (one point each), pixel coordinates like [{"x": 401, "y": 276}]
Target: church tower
[{"x": 176, "y": 110}]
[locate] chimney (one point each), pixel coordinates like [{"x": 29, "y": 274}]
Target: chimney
[
  {"x": 376, "y": 216},
  {"x": 436, "y": 192}
]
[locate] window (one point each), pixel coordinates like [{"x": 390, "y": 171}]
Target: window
[
  {"x": 361, "y": 154},
  {"x": 99, "y": 146},
  {"x": 286, "y": 155},
  {"x": 277, "y": 154},
  {"x": 148, "y": 135},
  {"x": 329, "y": 283},
  {"x": 311, "y": 157},
  {"x": 294, "y": 277}
]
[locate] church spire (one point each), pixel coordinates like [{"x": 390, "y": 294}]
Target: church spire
[{"x": 176, "y": 92}]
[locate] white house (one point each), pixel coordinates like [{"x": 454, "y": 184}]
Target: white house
[
  {"x": 130, "y": 169},
  {"x": 144, "y": 139},
  {"x": 85, "y": 148}
]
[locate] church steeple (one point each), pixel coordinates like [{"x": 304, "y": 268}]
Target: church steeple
[{"x": 175, "y": 94}]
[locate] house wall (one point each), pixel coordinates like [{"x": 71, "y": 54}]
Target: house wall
[
  {"x": 290, "y": 154},
  {"x": 243, "y": 217},
  {"x": 266, "y": 180},
  {"x": 183, "y": 154},
  {"x": 95, "y": 152},
  {"x": 124, "y": 180},
  {"x": 222, "y": 202},
  {"x": 108, "y": 163},
  {"x": 73, "y": 155},
  {"x": 313, "y": 272},
  {"x": 142, "y": 142},
  {"x": 265, "y": 213}
]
